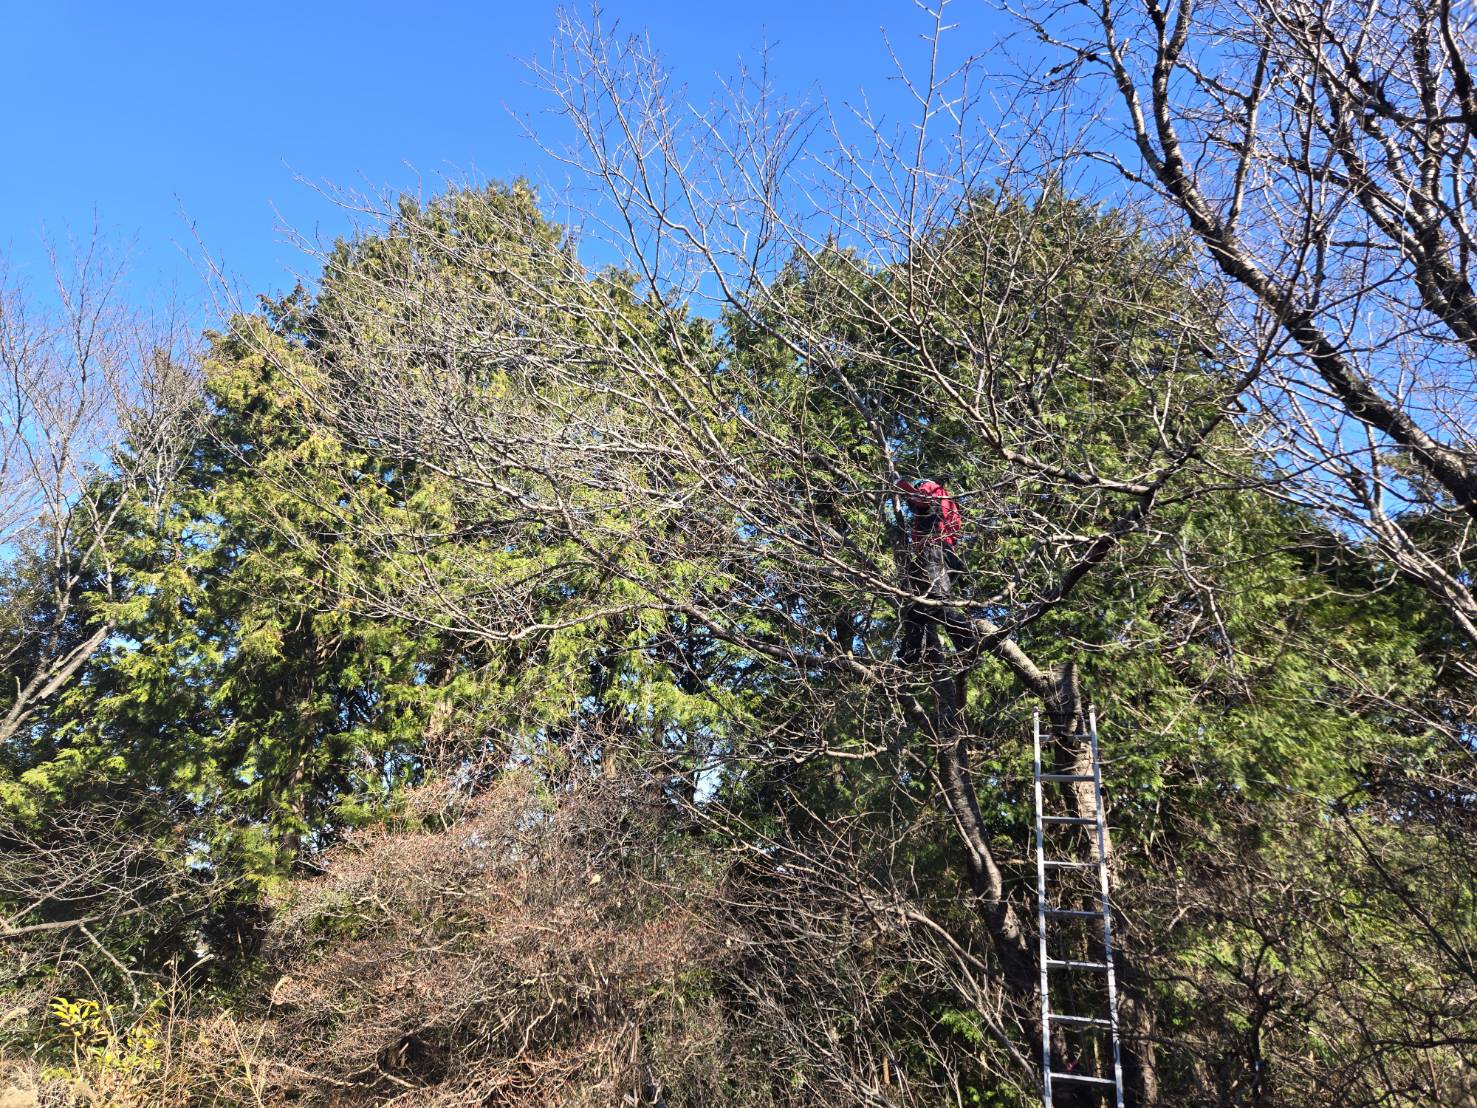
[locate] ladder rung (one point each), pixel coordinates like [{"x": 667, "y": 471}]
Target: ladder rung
[
  {"x": 1059, "y": 864},
  {"x": 1066, "y": 777},
  {"x": 1066, "y": 963},
  {"x": 1055, "y": 1076},
  {"x": 1076, "y": 821},
  {"x": 1081, "y": 1021},
  {"x": 1074, "y": 913}
]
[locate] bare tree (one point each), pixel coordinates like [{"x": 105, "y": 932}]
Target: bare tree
[
  {"x": 1322, "y": 155},
  {"x": 96, "y": 409}
]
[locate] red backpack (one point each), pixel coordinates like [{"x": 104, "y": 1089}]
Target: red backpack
[{"x": 950, "y": 523}]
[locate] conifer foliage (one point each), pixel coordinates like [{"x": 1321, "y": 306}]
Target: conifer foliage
[{"x": 483, "y": 683}]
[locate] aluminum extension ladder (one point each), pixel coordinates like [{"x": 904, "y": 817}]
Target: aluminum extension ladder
[{"x": 1076, "y": 1022}]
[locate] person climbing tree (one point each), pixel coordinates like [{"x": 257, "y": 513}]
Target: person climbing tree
[{"x": 933, "y": 537}]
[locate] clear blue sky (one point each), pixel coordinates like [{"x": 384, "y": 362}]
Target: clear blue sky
[{"x": 150, "y": 114}]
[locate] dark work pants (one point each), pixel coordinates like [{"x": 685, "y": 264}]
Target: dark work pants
[{"x": 934, "y": 568}]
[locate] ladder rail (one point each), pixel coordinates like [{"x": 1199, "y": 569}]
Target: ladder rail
[
  {"x": 1102, "y": 853},
  {"x": 1041, "y": 919},
  {"x": 1104, "y": 912}
]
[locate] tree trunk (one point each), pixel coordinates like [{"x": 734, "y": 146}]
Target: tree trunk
[{"x": 1002, "y": 920}]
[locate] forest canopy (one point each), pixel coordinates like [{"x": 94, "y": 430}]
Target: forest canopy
[{"x": 485, "y": 676}]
